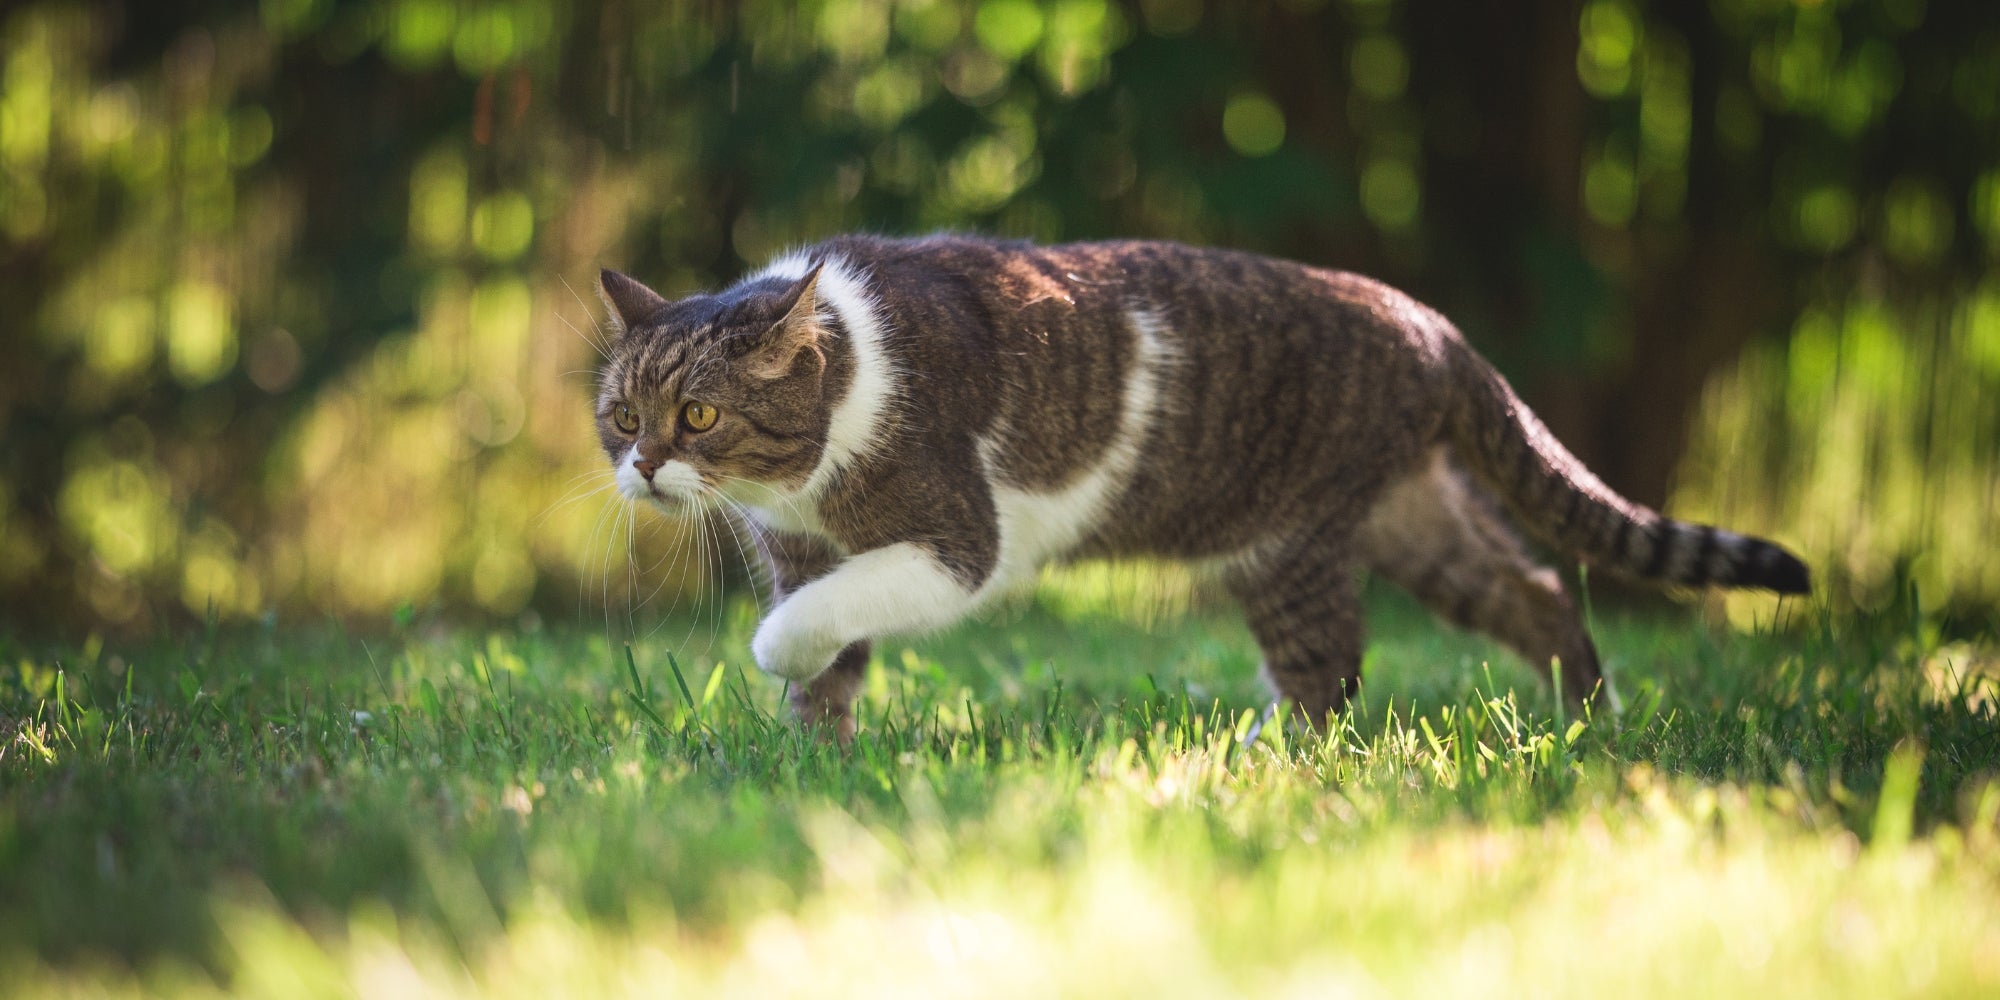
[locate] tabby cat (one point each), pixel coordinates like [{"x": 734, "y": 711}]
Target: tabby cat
[{"x": 915, "y": 426}]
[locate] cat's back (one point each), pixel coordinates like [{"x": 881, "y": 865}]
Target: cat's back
[
  {"x": 1244, "y": 321},
  {"x": 1211, "y": 292},
  {"x": 1203, "y": 382}
]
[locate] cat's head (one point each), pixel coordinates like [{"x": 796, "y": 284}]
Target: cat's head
[{"x": 713, "y": 394}]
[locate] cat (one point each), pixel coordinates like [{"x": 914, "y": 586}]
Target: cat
[{"x": 913, "y": 426}]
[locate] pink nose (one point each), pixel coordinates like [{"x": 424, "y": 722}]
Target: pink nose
[{"x": 646, "y": 467}]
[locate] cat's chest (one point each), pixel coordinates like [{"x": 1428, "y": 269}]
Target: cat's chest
[
  {"x": 778, "y": 511},
  {"x": 1033, "y": 528},
  {"x": 1040, "y": 528},
  {"x": 790, "y": 518}
]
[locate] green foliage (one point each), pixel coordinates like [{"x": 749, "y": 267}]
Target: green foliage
[
  {"x": 1052, "y": 805},
  {"x": 298, "y": 290}
]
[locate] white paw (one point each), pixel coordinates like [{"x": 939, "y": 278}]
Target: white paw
[{"x": 790, "y": 648}]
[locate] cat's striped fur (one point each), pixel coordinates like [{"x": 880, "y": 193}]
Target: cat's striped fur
[{"x": 917, "y": 425}]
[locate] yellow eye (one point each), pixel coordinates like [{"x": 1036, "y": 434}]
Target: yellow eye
[
  {"x": 626, "y": 420},
  {"x": 698, "y": 416}
]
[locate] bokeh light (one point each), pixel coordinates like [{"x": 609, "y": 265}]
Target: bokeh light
[{"x": 300, "y": 306}]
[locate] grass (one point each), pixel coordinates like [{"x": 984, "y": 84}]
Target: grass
[{"x": 1054, "y": 803}]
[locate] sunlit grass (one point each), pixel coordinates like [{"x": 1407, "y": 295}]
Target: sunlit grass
[
  {"x": 1867, "y": 442},
  {"x": 1056, "y": 802}
]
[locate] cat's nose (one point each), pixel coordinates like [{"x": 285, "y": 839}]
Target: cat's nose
[{"x": 646, "y": 467}]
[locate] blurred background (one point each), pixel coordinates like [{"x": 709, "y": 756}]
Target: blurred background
[{"x": 296, "y": 296}]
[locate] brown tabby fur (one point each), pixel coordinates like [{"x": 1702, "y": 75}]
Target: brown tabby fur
[{"x": 1304, "y": 424}]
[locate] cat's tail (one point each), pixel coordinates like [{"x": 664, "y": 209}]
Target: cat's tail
[{"x": 1559, "y": 500}]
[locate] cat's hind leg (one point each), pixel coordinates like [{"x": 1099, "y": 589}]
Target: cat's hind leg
[
  {"x": 1438, "y": 535},
  {"x": 1300, "y": 602}
]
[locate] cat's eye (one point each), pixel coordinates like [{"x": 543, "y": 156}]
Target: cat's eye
[
  {"x": 626, "y": 420},
  {"x": 698, "y": 416}
]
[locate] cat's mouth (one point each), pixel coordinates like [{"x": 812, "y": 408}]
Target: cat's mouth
[
  {"x": 670, "y": 487},
  {"x": 639, "y": 491},
  {"x": 673, "y": 501}
]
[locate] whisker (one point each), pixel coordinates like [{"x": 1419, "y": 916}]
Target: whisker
[
  {"x": 735, "y": 520},
  {"x": 712, "y": 592},
  {"x": 600, "y": 351},
  {"x": 575, "y": 492},
  {"x": 594, "y": 345},
  {"x": 684, "y": 554},
  {"x": 737, "y": 525},
  {"x": 653, "y": 570},
  {"x": 763, "y": 540},
  {"x": 706, "y": 591},
  {"x": 618, "y": 523},
  {"x": 681, "y": 554},
  {"x": 631, "y": 569},
  {"x": 791, "y": 504},
  {"x": 590, "y": 547},
  {"x": 600, "y": 561},
  {"x": 719, "y": 525}
]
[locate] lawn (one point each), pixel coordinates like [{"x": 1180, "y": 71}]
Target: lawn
[{"x": 1054, "y": 801}]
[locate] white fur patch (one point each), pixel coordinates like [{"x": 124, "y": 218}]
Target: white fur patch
[
  {"x": 1037, "y": 528},
  {"x": 858, "y": 417},
  {"x": 897, "y": 589},
  {"x": 775, "y": 508},
  {"x": 900, "y": 589}
]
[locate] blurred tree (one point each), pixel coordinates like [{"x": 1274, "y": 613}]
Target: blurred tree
[{"x": 297, "y": 297}]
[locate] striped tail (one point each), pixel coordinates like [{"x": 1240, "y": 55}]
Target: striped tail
[{"x": 1560, "y": 501}]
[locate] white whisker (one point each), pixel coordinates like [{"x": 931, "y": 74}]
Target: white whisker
[
  {"x": 573, "y": 492},
  {"x": 631, "y": 568},
  {"x": 590, "y": 548},
  {"x": 595, "y": 345}
]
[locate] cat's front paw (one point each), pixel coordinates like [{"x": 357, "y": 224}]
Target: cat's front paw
[{"x": 788, "y": 646}]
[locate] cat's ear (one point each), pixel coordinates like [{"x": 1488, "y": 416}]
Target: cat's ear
[
  {"x": 629, "y": 302},
  {"x": 779, "y": 348}
]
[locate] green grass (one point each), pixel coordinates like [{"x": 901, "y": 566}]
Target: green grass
[{"x": 1054, "y": 802}]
